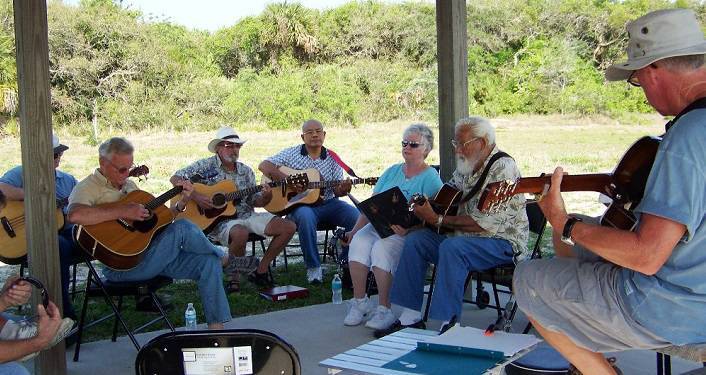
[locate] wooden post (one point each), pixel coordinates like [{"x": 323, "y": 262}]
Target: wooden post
[
  {"x": 31, "y": 38},
  {"x": 452, "y": 52}
]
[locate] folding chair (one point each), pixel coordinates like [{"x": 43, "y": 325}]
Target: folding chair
[
  {"x": 240, "y": 351},
  {"x": 97, "y": 287},
  {"x": 254, "y": 239},
  {"x": 691, "y": 352},
  {"x": 502, "y": 274}
]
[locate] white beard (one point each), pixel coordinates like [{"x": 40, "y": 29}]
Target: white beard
[{"x": 464, "y": 165}]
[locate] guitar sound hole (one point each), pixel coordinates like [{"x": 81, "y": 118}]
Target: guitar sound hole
[
  {"x": 146, "y": 225},
  {"x": 218, "y": 200}
]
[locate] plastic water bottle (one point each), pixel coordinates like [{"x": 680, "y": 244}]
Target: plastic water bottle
[
  {"x": 337, "y": 290},
  {"x": 190, "y": 317}
]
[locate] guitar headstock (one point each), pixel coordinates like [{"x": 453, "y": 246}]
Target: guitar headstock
[
  {"x": 496, "y": 194},
  {"x": 371, "y": 180},
  {"x": 140, "y": 171},
  {"x": 417, "y": 199},
  {"x": 297, "y": 179}
]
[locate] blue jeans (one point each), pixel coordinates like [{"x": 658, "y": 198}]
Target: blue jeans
[
  {"x": 454, "y": 257},
  {"x": 13, "y": 368},
  {"x": 67, "y": 249},
  {"x": 182, "y": 251},
  {"x": 331, "y": 211}
]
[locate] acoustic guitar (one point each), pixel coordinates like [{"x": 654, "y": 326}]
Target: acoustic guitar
[
  {"x": 286, "y": 198},
  {"x": 13, "y": 240},
  {"x": 625, "y": 186},
  {"x": 445, "y": 202},
  {"x": 224, "y": 197}
]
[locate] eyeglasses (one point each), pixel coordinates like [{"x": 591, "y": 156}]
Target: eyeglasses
[
  {"x": 455, "y": 143},
  {"x": 410, "y": 144},
  {"x": 230, "y": 145},
  {"x": 313, "y": 131},
  {"x": 121, "y": 170},
  {"x": 632, "y": 80}
]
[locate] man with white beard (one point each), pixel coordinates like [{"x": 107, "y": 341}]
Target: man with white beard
[{"x": 476, "y": 241}]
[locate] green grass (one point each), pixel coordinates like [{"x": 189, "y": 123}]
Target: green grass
[
  {"x": 538, "y": 144},
  {"x": 246, "y": 302}
]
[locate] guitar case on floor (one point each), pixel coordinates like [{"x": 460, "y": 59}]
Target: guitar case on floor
[{"x": 543, "y": 360}]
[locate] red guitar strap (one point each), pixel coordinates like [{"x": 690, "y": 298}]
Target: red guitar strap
[{"x": 340, "y": 162}]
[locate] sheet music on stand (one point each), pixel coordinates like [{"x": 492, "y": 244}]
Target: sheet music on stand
[{"x": 388, "y": 208}]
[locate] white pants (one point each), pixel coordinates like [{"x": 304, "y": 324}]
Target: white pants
[{"x": 369, "y": 249}]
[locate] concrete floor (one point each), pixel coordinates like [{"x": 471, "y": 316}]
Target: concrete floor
[{"x": 317, "y": 332}]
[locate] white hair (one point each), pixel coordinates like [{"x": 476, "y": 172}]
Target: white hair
[
  {"x": 424, "y": 132},
  {"x": 479, "y": 127},
  {"x": 115, "y": 145}
]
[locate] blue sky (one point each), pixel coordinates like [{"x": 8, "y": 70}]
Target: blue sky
[{"x": 213, "y": 14}]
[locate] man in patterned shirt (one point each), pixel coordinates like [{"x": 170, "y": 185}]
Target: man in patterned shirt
[
  {"x": 234, "y": 233},
  {"x": 313, "y": 154},
  {"x": 479, "y": 241}
]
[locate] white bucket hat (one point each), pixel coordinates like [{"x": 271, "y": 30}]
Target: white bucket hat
[
  {"x": 224, "y": 134},
  {"x": 659, "y": 35}
]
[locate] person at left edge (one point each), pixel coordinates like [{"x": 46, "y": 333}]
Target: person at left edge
[{"x": 12, "y": 185}]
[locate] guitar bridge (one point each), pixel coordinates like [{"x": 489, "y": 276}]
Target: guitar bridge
[
  {"x": 7, "y": 226},
  {"x": 126, "y": 225}
]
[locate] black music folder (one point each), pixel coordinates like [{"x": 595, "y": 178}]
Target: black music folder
[{"x": 388, "y": 208}]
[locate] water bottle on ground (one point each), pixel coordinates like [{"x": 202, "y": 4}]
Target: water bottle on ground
[
  {"x": 337, "y": 290},
  {"x": 190, "y": 317}
]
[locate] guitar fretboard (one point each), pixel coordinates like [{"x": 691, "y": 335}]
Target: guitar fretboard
[
  {"x": 327, "y": 184},
  {"x": 162, "y": 199},
  {"x": 251, "y": 190}
]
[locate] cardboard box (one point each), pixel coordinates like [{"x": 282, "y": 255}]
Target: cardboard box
[{"x": 283, "y": 293}]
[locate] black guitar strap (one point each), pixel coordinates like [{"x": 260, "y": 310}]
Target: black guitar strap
[
  {"x": 697, "y": 104},
  {"x": 476, "y": 188}
]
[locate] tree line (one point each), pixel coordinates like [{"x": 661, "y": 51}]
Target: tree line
[{"x": 115, "y": 68}]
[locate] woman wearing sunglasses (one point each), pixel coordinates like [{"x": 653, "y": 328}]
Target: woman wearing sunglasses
[{"x": 369, "y": 251}]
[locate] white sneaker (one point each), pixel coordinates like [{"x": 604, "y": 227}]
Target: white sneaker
[
  {"x": 314, "y": 275},
  {"x": 359, "y": 309},
  {"x": 382, "y": 318}
]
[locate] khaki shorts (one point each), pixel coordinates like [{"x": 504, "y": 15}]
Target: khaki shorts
[
  {"x": 578, "y": 297},
  {"x": 255, "y": 223}
]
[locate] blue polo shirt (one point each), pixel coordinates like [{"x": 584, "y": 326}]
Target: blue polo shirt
[
  {"x": 672, "y": 303},
  {"x": 64, "y": 182}
]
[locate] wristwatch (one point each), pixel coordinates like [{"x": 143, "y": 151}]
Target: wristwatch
[{"x": 568, "y": 227}]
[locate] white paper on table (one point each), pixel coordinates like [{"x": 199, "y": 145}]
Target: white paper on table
[{"x": 500, "y": 341}]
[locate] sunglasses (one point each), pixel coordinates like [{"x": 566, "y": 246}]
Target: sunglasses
[
  {"x": 231, "y": 145},
  {"x": 58, "y": 155},
  {"x": 410, "y": 144}
]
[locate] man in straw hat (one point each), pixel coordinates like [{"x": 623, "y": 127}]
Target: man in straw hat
[
  {"x": 644, "y": 289},
  {"x": 12, "y": 184},
  {"x": 224, "y": 165}
]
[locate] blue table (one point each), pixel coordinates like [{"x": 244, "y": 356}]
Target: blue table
[{"x": 369, "y": 358}]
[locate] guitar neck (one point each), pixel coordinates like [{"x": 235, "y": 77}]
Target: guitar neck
[
  {"x": 586, "y": 182},
  {"x": 328, "y": 184},
  {"x": 162, "y": 199},
  {"x": 251, "y": 190}
]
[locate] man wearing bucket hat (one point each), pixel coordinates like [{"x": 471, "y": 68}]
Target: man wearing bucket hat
[
  {"x": 615, "y": 289},
  {"x": 224, "y": 165},
  {"x": 12, "y": 184}
]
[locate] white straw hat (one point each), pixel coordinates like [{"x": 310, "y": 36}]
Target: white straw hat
[{"x": 224, "y": 134}]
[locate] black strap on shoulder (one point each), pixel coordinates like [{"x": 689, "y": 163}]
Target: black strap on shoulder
[
  {"x": 483, "y": 176},
  {"x": 697, "y": 104}
]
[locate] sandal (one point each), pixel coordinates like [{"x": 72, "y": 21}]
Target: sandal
[{"x": 232, "y": 284}]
